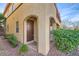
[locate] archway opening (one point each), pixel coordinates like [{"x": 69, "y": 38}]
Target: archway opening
[
  {"x": 32, "y": 29},
  {"x": 51, "y": 27},
  {"x": 31, "y": 32}
]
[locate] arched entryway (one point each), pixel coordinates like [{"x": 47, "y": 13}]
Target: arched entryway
[
  {"x": 31, "y": 31},
  {"x": 51, "y": 27},
  {"x": 52, "y": 23}
]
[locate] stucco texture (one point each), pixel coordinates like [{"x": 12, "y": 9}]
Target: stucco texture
[{"x": 43, "y": 12}]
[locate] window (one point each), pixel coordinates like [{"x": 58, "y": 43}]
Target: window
[{"x": 17, "y": 26}]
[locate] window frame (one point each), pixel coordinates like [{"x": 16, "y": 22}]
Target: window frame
[{"x": 17, "y": 26}]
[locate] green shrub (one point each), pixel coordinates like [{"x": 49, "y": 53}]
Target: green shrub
[
  {"x": 12, "y": 39},
  {"x": 7, "y": 36},
  {"x": 66, "y": 40},
  {"x": 23, "y": 48}
]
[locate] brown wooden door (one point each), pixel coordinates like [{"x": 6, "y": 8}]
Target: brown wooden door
[{"x": 30, "y": 30}]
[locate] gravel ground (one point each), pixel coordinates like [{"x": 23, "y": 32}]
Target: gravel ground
[
  {"x": 7, "y": 50},
  {"x": 54, "y": 52}
]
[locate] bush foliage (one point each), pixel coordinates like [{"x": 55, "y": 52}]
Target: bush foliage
[
  {"x": 12, "y": 39},
  {"x": 23, "y": 48},
  {"x": 66, "y": 40}
]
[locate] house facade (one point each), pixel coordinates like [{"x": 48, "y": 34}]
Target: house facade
[{"x": 32, "y": 22}]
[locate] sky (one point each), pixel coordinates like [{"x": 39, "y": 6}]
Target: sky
[
  {"x": 2, "y": 7},
  {"x": 69, "y": 13}
]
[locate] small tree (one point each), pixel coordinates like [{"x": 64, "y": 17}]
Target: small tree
[{"x": 2, "y": 21}]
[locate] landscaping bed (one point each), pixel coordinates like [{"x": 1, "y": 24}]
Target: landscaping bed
[
  {"x": 66, "y": 40},
  {"x": 12, "y": 39}
]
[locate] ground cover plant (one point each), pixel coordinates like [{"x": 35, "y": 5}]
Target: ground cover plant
[
  {"x": 12, "y": 39},
  {"x": 66, "y": 40},
  {"x": 23, "y": 48}
]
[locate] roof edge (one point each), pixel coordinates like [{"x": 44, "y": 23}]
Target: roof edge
[
  {"x": 58, "y": 14},
  {"x": 6, "y": 8}
]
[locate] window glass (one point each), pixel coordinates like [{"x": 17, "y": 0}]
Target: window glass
[{"x": 17, "y": 26}]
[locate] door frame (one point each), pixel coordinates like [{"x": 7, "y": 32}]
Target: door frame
[
  {"x": 30, "y": 30},
  {"x": 25, "y": 29}
]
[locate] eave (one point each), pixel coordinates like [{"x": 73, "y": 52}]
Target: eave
[{"x": 6, "y": 8}]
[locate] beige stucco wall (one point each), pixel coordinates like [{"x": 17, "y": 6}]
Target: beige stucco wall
[
  {"x": 43, "y": 11},
  {"x": 35, "y": 31}
]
